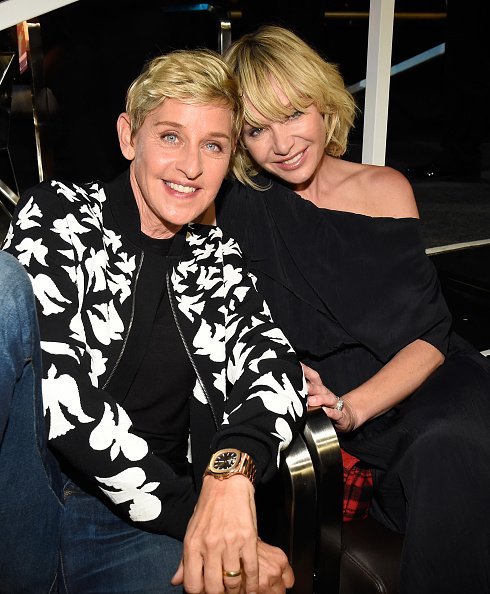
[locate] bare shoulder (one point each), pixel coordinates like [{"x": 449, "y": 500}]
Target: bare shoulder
[{"x": 387, "y": 193}]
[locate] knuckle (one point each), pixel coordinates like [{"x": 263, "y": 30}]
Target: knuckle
[
  {"x": 232, "y": 584},
  {"x": 253, "y": 575},
  {"x": 242, "y": 535}
]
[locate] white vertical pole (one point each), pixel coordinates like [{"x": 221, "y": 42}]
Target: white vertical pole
[{"x": 381, "y": 15}]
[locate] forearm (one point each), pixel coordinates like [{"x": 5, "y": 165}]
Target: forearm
[
  {"x": 399, "y": 378},
  {"x": 266, "y": 403}
]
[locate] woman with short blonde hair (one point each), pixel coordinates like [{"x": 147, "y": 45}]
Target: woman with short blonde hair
[
  {"x": 163, "y": 373},
  {"x": 337, "y": 252},
  {"x": 274, "y": 53}
]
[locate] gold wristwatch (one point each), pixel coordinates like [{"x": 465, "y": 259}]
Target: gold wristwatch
[{"x": 228, "y": 462}]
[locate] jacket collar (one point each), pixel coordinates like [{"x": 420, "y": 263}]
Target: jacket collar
[{"x": 123, "y": 209}]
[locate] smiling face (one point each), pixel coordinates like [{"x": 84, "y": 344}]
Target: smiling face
[
  {"x": 292, "y": 148},
  {"x": 179, "y": 157}
]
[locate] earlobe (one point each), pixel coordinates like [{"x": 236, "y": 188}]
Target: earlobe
[{"x": 124, "y": 134}]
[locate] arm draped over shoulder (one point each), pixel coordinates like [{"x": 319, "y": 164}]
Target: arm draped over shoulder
[{"x": 369, "y": 277}]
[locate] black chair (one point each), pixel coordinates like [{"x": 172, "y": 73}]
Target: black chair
[
  {"x": 360, "y": 557},
  {"x": 301, "y": 512},
  {"x": 465, "y": 280}
]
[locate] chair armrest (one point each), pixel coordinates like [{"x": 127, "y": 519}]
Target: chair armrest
[
  {"x": 323, "y": 445},
  {"x": 300, "y": 510},
  {"x": 287, "y": 516},
  {"x": 299, "y": 482}
]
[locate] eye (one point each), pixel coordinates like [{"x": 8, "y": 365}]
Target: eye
[
  {"x": 295, "y": 115},
  {"x": 254, "y": 132},
  {"x": 169, "y": 137},
  {"x": 214, "y": 147}
]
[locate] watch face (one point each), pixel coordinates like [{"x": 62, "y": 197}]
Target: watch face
[{"x": 225, "y": 460}]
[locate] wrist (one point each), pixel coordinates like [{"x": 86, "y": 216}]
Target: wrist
[
  {"x": 229, "y": 462},
  {"x": 355, "y": 419}
]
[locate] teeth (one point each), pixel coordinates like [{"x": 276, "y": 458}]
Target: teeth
[
  {"x": 179, "y": 188},
  {"x": 294, "y": 159}
]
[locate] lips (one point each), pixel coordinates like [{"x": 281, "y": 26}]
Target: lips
[{"x": 292, "y": 162}]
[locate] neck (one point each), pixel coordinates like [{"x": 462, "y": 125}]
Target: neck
[{"x": 316, "y": 186}]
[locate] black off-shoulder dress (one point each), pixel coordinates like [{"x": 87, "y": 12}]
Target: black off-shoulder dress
[{"x": 350, "y": 291}]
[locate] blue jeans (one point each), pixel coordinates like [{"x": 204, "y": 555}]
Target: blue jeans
[
  {"x": 30, "y": 509},
  {"x": 103, "y": 554}
]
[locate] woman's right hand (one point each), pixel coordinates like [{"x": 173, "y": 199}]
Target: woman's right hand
[{"x": 319, "y": 395}]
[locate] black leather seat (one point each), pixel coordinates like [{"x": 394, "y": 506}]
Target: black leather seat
[{"x": 370, "y": 558}]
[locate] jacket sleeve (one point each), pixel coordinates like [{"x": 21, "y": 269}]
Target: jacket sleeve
[
  {"x": 266, "y": 399},
  {"x": 87, "y": 427}
]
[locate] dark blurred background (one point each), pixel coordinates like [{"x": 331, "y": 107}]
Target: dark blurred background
[{"x": 92, "y": 50}]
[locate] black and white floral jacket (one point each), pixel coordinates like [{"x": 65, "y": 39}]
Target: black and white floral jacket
[{"x": 80, "y": 246}]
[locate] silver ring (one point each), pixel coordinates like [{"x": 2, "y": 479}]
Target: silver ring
[{"x": 340, "y": 404}]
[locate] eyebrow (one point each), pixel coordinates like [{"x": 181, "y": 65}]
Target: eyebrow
[{"x": 180, "y": 126}]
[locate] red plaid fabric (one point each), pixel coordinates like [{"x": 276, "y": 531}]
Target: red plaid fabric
[{"x": 358, "y": 488}]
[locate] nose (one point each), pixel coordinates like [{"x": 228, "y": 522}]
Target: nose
[
  {"x": 282, "y": 141},
  {"x": 189, "y": 162}
]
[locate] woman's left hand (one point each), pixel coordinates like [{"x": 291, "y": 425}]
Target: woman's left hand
[{"x": 319, "y": 395}]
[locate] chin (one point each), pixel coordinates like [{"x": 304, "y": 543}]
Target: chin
[
  {"x": 181, "y": 216},
  {"x": 295, "y": 178}
]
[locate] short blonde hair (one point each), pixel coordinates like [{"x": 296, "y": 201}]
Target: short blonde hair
[
  {"x": 190, "y": 76},
  {"x": 275, "y": 53}
]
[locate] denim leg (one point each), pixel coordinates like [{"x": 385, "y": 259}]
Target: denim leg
[
  {"x": 30, "y": 510},
  {"x": 103, "y": 554}
]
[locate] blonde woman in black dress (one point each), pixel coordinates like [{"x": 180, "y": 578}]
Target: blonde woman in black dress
[{"x": 337, "y": 251}]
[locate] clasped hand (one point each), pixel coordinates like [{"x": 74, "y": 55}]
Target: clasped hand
[
  {"x": 319, "y": 395},
  {"x": 222, "y": 535}
]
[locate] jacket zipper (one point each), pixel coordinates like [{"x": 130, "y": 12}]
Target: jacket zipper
[
  {"x": 205, "y": 392},
  {"x": 133, "y": 305}
]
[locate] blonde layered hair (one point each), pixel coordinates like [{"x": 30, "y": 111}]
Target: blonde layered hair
[
  {"x": 189, "y": 76},
  {"x": 276, "y": 54}
]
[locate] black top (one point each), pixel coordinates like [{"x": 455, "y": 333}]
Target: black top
[
  {"x": 158, "y": 399},
  {"x": 348, "y": 290}
]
